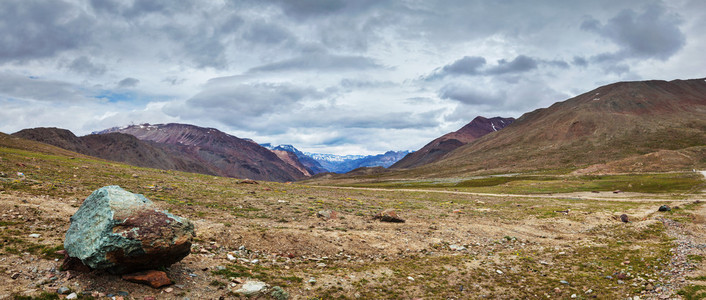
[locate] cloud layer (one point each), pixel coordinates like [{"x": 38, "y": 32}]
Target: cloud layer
[{"x": 329, "y": 76}]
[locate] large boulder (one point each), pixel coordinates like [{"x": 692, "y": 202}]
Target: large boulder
[{"x": 123, "y": 232}]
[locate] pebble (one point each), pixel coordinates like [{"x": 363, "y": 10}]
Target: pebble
[
  {"x": 123, "y": 293},
  {"x": 457, "y": 247},
  {"x": 499, "y": 272},
  {"x": 573, "y": 296},
  {"x": 63, "y": 290},
  {"x": 410, "y": 278},
  {"x": 72, "y": 296},
  {"x": 312, "y": 281},
  {"x": 168, "y": 290},
  {"x": 251, "y": 288},
  {"x": 564, "y": 282},
  {"x": 35, "y": 235}
]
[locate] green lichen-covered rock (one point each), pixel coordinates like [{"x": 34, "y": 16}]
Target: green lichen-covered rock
[{"x": 124, "y": 232}]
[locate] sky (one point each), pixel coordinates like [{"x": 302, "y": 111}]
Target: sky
[{"x": 338, "y": 76}]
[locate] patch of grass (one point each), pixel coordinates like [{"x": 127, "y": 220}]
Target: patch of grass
[{"x": 693, "y": 292}]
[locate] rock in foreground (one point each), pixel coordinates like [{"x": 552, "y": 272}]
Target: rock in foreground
[
  {"x": 123, "y": 232},
  {"x": 389, "y": 215}
]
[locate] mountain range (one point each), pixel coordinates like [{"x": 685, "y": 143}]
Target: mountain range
[
  {"x": 639, "y": 126},
  {"x": 321, "y": 163},
  {"x": 635, "y": 126}
]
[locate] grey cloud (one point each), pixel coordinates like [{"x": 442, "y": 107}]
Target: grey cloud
[
  {"x": 651, "y": 33},
  {"x": 266, "y": 33},
  {"x": 84, "y": 65},
  {"x": 41, "y": 28},
  {"x": 579, "y": 61},
  {"x": 469, "y": 95},
  {"x": 322, "y": 62},
  {"x": 20, "y": 87},
  {"x": 467, "y": 65},
  {"x": 242, "y": 103},
  {"x": 364, "y": 84},
  {"x": 128, "y": 82},
  {"x": 520, "y": 64},
  {"x": 476, "y": 66},
  {"x": 173, "y": 80}
]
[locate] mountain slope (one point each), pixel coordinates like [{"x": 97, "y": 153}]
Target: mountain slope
[
  {"x": 116, "y": 147},
  {"x": 613, "y": 122},
  {"x": 441, "y": 146},
  {"x": 228, "y": 155},
  {"x": 313, "y": 166}
]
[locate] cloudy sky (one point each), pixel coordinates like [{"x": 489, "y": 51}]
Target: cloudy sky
[{"x": 338, "y": 76}]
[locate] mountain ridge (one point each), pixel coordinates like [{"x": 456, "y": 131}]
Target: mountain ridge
[{"x": 439, "y": 147}]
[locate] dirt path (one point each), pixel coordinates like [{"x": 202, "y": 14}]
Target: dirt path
[{"x": 626, "y": 197}]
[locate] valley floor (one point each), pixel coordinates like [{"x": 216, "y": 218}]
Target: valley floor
[{"x": 452, "y": 245}]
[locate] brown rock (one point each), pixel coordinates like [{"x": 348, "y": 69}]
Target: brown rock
[
  {"x": 153, "y": 278},
  {"x": 624, "y": 218},
  {"x": 388, "y": 215},
  {"x": 248, "y": 181}
]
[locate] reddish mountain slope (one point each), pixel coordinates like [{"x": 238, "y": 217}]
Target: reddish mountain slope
[
  {"x": 226, "y": 154},
  {"x": 116, "y": 147},
  {"x": 441, "y": 146}
]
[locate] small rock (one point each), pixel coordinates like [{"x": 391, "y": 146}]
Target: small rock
[
  {"x": 664, "y": 208},
  {"x": 312, "y": 280},
  {"x": 168, "y": 290},
  {"x": 153, "y": 278},
  {"x": 251, "y": 288},
  {"x": 649, "y": 287},
  {"x": 35, "y": 235},
  {"x": 248, "y": 181},
  {"x": 621, "y": 282},
  {"x": 63, "y": 290},
  {"x": 321, "y": 265},
  {"x": 388, "y": 215},
  {"x": 72, "y": 296},
  {"x": 410, "y": 278},
  {"x": 15, "y": 275},
  {"x": 564, "y": 282},
  {"x": 230, "y": 257},
  {"x": 557, "y": 290},
  {"x": 149, "y": 298},
  {"x": 499, "y": 272},
  {"x": 624, "y": 218},
  {"x": 589, "y": 291},
  {"x": 123, "y": 293},
  {"x": 327, "y": 214},
  {"x": 457, "y": 247},
  {"x": 573, "y": 296}
]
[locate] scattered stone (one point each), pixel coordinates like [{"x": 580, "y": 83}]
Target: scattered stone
[
  {"x": 153, "y": 278},
  {"x": 388, "y": 215},
  {"x": 649, "y": 287},
  {"x": 123, "y": 293},
  {"x": 72, "y": 296},
  {"x": 327, "y": 214},
  {"x": 251, "y": 288},
  {"x": 168, "y": 290},
  {"x": 624, "y": 218},
  {"x": 230, "y": 257},
  {"x": 564, "y": 282},
  {"x": 15, "y": 275},
  {"x": 312, "y": 281},
  {"x": 35, "y": 235},
  {"x": 499, "y": 272},
  {"x": 410, "y": 278},
  {"x": 135, "y": 176},
  {"x": 149, "y": 298},
  {"x": 124, "y": 232},
  {"x": 664, "y": 208},
  {"x": 457, "y": 247},
  {"x": 248, "y": 181},
  {"x": 63, "y": 290},
  {"x": 617, "y": 192},
  {"x": 573, "y": 296}
]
